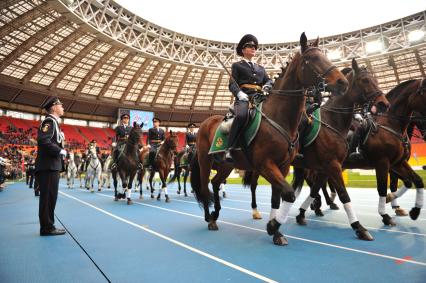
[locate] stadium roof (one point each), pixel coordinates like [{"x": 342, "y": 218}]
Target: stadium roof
[{"x": 97, "y": 57}]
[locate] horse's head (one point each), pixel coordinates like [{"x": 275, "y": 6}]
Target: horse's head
[
  {"x": 71, "y": 156},
  {"x": 135, "y": 135},
  {"x": 365, "y": 88},
  {"x": 314, "y": 68},
  {"x": 419, "y": 121},
  {"x": 172, "y": 141},
  {"x": 92, "y": 152}
]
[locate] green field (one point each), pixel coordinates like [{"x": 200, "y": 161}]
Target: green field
[{"x": 354, "y": 180}]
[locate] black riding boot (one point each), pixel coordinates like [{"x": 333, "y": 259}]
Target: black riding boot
[
  {"x": 241, "y": 115},
  {"x": 354, "y": 144}
]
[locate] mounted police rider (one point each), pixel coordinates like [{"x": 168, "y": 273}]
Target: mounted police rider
[
  {"x": 355, "y": 152},
  {"x": 122, "y": 132},
  {"x": 248, "y": 79},
  {"x": 155, "y": 139},
  {"x": 92, "y": 144},
  {"x": 191, "y": 137}
]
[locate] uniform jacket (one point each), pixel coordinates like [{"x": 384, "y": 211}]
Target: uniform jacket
[
  {"x": 155, "y": 135},
  {"x": 50, "y": 142},
  {"x": 243, "y": 73}
]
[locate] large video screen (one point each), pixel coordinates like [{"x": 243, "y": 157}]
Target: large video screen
[{"x": 139, "y": 116}]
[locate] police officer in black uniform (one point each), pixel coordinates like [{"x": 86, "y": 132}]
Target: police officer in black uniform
[
  {"x": 248, "y": 79},
  {"x": 31, "y": 172},
  {"x": 191, "y": 137},
  {"x": 122, "y": 132},
  {"x": 49, "y": 163},
  {"x": 155, "y": 138},
  {"x": 98, "y": 152}
]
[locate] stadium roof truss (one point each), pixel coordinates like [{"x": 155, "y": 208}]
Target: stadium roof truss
[{"x": 95, "y": 53}]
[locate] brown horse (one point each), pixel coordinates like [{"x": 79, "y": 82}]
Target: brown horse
[
  {"x": 325, "y": 155},
  {"x": 387, "y": 148},
  {"x": 162, "y": 163},
  {"x": 182, "y": 163},
  {"x": 127, "y": 165},
  {"x": 272, "y": 150}
]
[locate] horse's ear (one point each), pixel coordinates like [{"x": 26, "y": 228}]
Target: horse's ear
[
  {"x": 141, "y": 125},
  {"x": 135, "y": 124},
  {"x": 355, "y": 66},
  {"x": 303, "y": 42},
  {"x": 316, "y": 42},
  {"x": 171, "y": 132}
]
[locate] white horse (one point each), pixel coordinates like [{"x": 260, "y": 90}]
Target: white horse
[
  {"x": 106, "y": 173},
  {"x": 94, "y": 169},
  {"x": 71, "y": 171}
]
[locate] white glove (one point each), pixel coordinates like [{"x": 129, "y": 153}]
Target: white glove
[
  {"x": 242, "y": 96},
  {"x": 358, "y": 117},
  {"x": 148, "y": 146},
  {"x": 63, "y": 152},
  {"x": 187, "y": 146},
  {"x": 266, "y": 88},
  {"x": 114, "y": 144},
  {"x": 162, "y": 142}
]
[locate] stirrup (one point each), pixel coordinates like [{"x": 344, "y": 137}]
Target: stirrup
[{"x": 114, "y": 165}]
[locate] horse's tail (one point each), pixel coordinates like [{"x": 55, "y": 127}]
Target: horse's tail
[
  {"x": 203, "y": 198},
  {"x": 248, "y": 175},
  {"x": 298, "y": 178}
]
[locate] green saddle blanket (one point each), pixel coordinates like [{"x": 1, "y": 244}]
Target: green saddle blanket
[
  {"x": 220, "y": 140},
  {"x": 314, "y": 128}
]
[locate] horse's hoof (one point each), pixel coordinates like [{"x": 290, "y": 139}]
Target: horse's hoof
[
  {"x": 109, "y": 187},
  {"x": 272, "y": 227},
  {"x": 400, "y": 212},
  {"x": 300, "y": 219},
  {"x": 129, "y": 201},
  {"x": 387, "y": 220},
  {"x": 389, "y": 197},
  {"x": 167, "y": 198},
  {"x": 334, "y": 206},
  {"x": 178, "y": 192},
  {"x": 361, "y": 232},
  {"x": 318, "y": 212},
  {"x": 279, "y": 239},
  {"x": 99, "y": 190},
  {"x": 115, "y": 198},
  {"x": 224, "y": 194},
  {"x": 158, "y": 197},
  {"x": 92, "y": 191},
  {"x": 152, "y": 196},
  {"x": 140, "y": 196},
  {"x": 256, "y": 215},
  {"x": 414, "y": 213},
  {"x": 186, "y": 194},
  {"x": 213, "y": 226}
]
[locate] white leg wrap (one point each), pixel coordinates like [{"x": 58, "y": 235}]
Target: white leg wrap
[
  {"x": 350, "y": 212},
  {"x": 283, "y": 211},
  {"x": 222, "y": 187},
  {"x": 307, "y": 202},
  {"x": 419, "y": 197},
  {"x": 382, "y": 205},
  {"x": 333, "y": 196},
  {"x": 394, "y": 202},
  {"x": 165, "y": 190},
  {"x": 400, "y": 191},
  {"x": 128, "y": 193},
  {"x": 297, "y": 192},
  {"x": 273, "y": 213}
]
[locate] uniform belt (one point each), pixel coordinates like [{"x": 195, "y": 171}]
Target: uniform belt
[
  {"x": 191, "y": 143},
  {"x": 250, "y": 86},
  {"x": 156, "y": 141}
]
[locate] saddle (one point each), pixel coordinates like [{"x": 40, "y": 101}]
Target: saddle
[
  {"x": 309, "y": 127},
  {"x": 220, "y": 140}
]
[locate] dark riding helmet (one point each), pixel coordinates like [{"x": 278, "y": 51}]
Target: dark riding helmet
[
  {"x": 247, "y": 39},
  {"x": 124, "y": 115},
  {"x": 192, "y": 125},
  {"x": 156, "y": 119}
]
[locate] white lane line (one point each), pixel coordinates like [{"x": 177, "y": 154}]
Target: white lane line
[
  {"x": 288, "y": 236},
  {"x": 195, "y": 250},
  {"x": 315, "y": 220}
]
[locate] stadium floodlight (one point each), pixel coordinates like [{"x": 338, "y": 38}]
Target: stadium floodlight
[
  {"x": 334, "y": 54},
  {"x": 374, "y": 46},
  {"x": 416, "y": 35}
]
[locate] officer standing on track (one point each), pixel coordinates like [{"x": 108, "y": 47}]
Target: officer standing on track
[{"x": 49, "y": 164}]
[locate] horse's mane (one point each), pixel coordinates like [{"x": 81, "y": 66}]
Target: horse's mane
[
  {"x": 396, "y": 90},
  {"x": 293, "y": 64}
]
